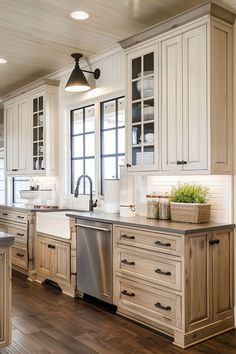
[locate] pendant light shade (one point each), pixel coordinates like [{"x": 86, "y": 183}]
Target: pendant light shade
[{"x": 77, "y": 81}]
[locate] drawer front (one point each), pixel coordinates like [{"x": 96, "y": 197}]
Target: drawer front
[
  {"x": 154, "y": 241},
  {"x": 149, "y": 302},
  {"x": 19, "y": 233},
  {"x": 13, "y": 215},
  {"x": 19, "y": 257},
  {"x": 157, "y": 269}
]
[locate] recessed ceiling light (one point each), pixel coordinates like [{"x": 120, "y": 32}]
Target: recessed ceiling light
[
  {"x": 3, "y": 61},
  {"x": 79, "y": 15}
]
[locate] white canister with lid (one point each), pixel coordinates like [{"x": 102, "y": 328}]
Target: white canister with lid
[{"x": 127, "y": 210}]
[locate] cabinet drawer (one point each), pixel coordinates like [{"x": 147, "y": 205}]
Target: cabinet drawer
[
  {"x": 20, "y": 257},
  {"x": 19, "y": 233},
  {"x": 149, "y": 240},
  {"x": 13, "y": 215},
  {"x": 154, "y": 268},
  {"x": 147, "y": 301}
]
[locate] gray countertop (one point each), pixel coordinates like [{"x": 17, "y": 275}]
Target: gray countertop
[
  {"x": 6, "y": 239},
  {"x": 29, "y": 207},
  {"x": 150, "y": 224}
]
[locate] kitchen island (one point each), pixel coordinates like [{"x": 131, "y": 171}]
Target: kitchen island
[{"x": 6, "y": 240}]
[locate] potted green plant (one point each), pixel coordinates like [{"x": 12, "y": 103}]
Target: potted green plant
[{"x": 189, "y": 203}]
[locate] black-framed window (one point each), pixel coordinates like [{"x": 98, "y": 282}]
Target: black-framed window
[
  {"x": 82, "y": 147},
  {"x": 18, "y": 184},
  {"x": 112, "y": 138}
]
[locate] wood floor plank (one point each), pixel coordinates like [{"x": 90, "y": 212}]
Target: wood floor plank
[{"x": 48, "y": 322}]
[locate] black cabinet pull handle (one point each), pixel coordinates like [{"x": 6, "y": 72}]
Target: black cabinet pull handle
[
  {"x": 20, "y": 255},
  {"x": 19, "y": 234},
  {"x": 128, "y": 165},
  {"x": 160, "y": 306},
  {"x": 5, "y": 214},
  {"x": 20, "y": 217},
  {"x": 14, "y": 169},
  {"x": 51, "y": 246},
  {"x": 159, "y": 243},
  {"x": 126, "y": 293},
  {"x": 128, "y": 237},
  {"x": 183, "y": 162},
  {"x": 159, "y": 271},
  {"x": 127, "y": 262},
  {"x": 214, "y": 242},
  {"x": 178, "y": 163}
]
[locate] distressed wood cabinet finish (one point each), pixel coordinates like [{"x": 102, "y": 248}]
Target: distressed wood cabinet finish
[
  {"x": 186, "y": 292},
  {"x": 192, "y": 94},
  {"x": 22, "y": 226},
  {"x": 30, "y": 133},
  {"x": 54, "y": 261},
  {"x": 5, "y": 296}
]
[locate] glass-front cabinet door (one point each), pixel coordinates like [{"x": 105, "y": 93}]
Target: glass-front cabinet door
[
  {"x": 38, "y": 117},
  {"x": 142, "y": 110}
]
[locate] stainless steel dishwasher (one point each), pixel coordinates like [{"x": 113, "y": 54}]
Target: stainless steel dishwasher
[{"x": 94, "y": 259}]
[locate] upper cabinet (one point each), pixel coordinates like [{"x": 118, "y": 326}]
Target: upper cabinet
[
  {"x": 184, "y": 101},
  {"x": 16, "y": 139},
  {"x": 31, "y": 132},
  {"x": 179, "y": 94},
  {"x": 143, "y": 92}
]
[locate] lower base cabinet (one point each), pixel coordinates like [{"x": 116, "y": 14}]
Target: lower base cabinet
[
  {"x": 184, "y": 291},
  {"x": 5, "y": 297},
  {"x": 21, "y": 224},
  {"x": 53, "y": 262}
]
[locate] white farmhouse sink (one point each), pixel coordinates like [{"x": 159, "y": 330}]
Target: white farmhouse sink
[{"x": 53, "y": 223}]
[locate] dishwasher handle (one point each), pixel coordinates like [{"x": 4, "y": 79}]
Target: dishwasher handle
[{"x": 93, "y": 227}]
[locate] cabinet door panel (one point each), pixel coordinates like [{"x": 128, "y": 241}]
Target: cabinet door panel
[
  {"x": 221, "y": 97},
  {"x": 171, "y": 103},
  {"x": 62, "y": 261},
  {"x": 44, "y": 256},
  {"x": 23, "y": 136},
  {"x": 195, "y": 123},
  {"x": 142, "y": 96},
  {"x": 5, "y": 298},
  {"x": 198, "y": 278},
  {"x": 222, "y": 275},
  {"x": 11, "y": 127}
]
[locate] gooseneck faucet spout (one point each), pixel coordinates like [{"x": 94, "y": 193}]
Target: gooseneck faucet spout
[{"x": 76, "y": 193}]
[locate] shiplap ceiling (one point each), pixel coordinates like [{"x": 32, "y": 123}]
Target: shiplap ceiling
[{"x": 38, "y": 36}]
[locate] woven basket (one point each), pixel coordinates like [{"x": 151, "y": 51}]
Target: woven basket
[{"x": 196, "y": 213}]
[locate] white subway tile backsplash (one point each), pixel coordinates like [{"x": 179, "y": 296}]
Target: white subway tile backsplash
[{"x": 220, "y": 188}]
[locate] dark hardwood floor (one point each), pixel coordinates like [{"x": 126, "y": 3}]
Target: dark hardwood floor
[{"x": 46, "y": 321}]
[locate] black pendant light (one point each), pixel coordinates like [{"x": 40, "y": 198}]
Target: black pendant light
[{"x": 77, "y": 81}]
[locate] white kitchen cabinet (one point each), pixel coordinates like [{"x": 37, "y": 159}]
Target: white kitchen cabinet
[
  {"x": 43, "y": 116},
  {"x": 192, "y": 94},
  {"x": 142, "y": 109},
  {"x": 184, "y": 101},
  {"x": 171, "y": 105},
  {"x": 31, "y": 131},
  {"x": 16, "y": 137}
]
